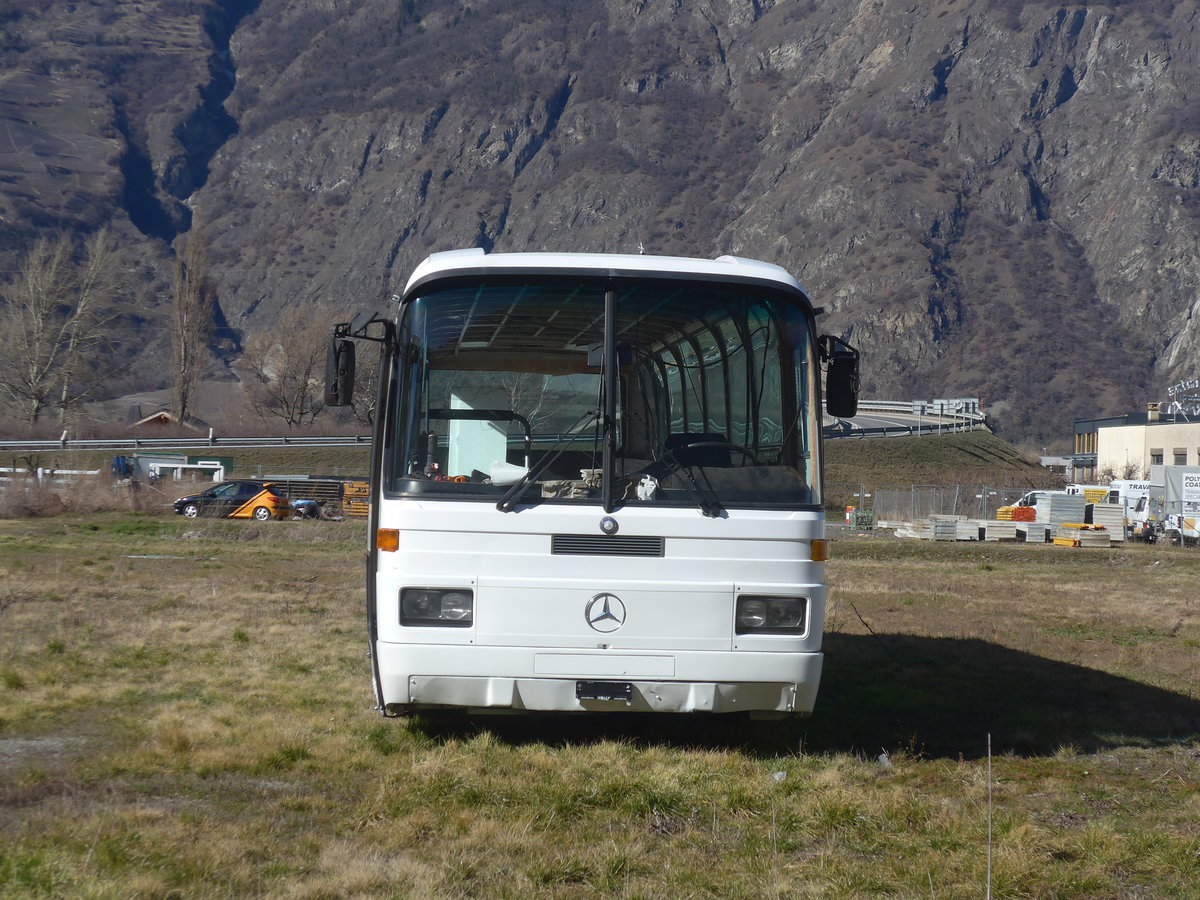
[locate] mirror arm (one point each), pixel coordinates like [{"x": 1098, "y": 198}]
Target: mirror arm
[{"x": 830, "y": 347}]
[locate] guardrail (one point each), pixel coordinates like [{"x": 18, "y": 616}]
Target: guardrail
[
  {"x": 954, "y": 420},
  {"x": 211, "y": 442},
  {"x": 927, "y": 418},
  {"x": 831, "y": 432},
  {"x": 923, "y": 408},
  {"x": 897, "y": 406}
]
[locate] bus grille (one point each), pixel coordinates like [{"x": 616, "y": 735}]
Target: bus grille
[{"x": 604, "y": 545}]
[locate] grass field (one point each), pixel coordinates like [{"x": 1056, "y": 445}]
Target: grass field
[{"x": 185, "y": 712}]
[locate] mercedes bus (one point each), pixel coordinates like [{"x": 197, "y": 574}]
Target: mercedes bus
[{"x": 596, "y": 484}]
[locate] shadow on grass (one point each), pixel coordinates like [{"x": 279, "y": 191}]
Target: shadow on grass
[
  {"x": 933, "y": 697},
  {"x": 943, "y": 696}
]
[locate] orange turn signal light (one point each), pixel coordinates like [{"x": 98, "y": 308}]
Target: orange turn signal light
[
  {"x": 820, "y": 551},
  {"x": 388, "y": 539}
]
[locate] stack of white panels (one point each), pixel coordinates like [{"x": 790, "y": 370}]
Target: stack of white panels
[
  {"x": 1058, "y": 509},
  {"x": 1033, "y": 532},
  {"x": 999, "y": 531},
  {"x": 1112, "y": 517}
]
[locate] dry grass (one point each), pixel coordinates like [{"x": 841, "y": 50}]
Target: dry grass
[
  {"x": 184, "y": 711},
  {"x": 28, "y": 497},
  {"x": 970, "y": 457}
]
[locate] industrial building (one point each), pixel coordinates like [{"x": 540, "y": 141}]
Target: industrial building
[{"x": 1126, "y": 446}]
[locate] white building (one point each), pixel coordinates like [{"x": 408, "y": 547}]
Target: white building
[{"x": 1126, "y": 446}]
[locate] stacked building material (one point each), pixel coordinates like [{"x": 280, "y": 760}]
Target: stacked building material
[
  {"x": 967, "y": 530},
  {"x": 1056, "y": 509},
  {"x": 1033, "y": 532},
  {"x": 1079, "y": 534},
  {"x": 936, "y": 528},
  {"x": 356, "y": 498},
  {"x": 1095, "y": 536},
  {"x": 944, "y": 529},
  {"x": 1112, "y": 517},
  {"x": 951, "y": 528},
  {"x": 999, "y": 531}
]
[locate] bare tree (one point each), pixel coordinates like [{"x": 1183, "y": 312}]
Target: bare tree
[
  {"x": 191, "y": 320},
  {"x": 527, "y": 392},
  {"x": 1131, "y": 471},
  {"x": 99, "y": 305},
  {"x": 286, "y": 365},
  {"x": 366, "y": 384},
  {"x": 59, "y": 322}
]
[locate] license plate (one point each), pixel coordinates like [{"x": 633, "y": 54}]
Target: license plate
[{"x": 604, "y": 690}]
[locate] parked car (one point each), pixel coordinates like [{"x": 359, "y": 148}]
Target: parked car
[{"x": 236, "y": 500}]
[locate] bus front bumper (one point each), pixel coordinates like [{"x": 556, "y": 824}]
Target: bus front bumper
[{"x": 775, "y": 686}]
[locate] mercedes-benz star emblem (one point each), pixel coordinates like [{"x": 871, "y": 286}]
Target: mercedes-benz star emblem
[{"x": 605, "y": 613}]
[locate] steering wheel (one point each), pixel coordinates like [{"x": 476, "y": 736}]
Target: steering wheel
[{"x": 720, "y": 445}]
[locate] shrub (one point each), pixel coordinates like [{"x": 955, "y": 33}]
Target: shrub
[{"x": 21, "y": 498}]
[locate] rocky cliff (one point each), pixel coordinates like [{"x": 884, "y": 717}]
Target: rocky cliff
[{"x": 990, "y": 198}]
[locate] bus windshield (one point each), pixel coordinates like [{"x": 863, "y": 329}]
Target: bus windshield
[{"x": 650, "y": 391}]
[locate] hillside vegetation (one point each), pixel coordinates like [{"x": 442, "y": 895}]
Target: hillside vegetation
[{"x": 975, "y": 457}]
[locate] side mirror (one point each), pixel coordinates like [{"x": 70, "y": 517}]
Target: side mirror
[
  {"x": 841, "y": 377},
  {"x": 339, "y": 373}
]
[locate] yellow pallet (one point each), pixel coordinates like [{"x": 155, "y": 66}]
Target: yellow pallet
[
  {"x": 356, "y": 507},
  {"x": 356, "y": 489}
]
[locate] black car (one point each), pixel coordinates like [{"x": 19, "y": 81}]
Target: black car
[{"x": 236, "y": 500}]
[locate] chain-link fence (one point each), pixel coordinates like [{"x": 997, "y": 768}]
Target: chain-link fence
[{"x": 892, "y": 503}]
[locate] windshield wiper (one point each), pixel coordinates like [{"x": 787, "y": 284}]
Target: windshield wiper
[
  {"x": 705, "y": 497},
  {"x": 513, "y": 495}
]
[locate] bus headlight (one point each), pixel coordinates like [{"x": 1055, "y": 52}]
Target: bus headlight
[
  {"x": 770, "y": 615},
  {"x": 447, "y": 607}
]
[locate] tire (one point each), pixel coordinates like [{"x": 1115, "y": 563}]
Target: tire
[
  {"x": 191, "y": 510},
  {"x": 262, "y": 514}
]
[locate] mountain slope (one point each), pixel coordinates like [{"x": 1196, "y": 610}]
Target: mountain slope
[{"x": 990, "y": 198}]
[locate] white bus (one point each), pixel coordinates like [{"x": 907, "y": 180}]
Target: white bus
[{"x": 596, "y": 485}]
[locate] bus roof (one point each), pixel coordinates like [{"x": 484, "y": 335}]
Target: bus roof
[{"x": 477, "y": 261}]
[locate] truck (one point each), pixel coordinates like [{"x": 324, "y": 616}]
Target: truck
[
  {"x": 1170, "y": 510},
  {"x": 1093, "y": 493},
  {"x": 1032, "y": 497},
  {"x": 1129, "y": 493},
  {"x": 1144, "y": 517},
  {"x": 1125, "y": 493}
]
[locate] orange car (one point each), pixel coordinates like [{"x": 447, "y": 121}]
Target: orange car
[{"x": 236, "y": 500}]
